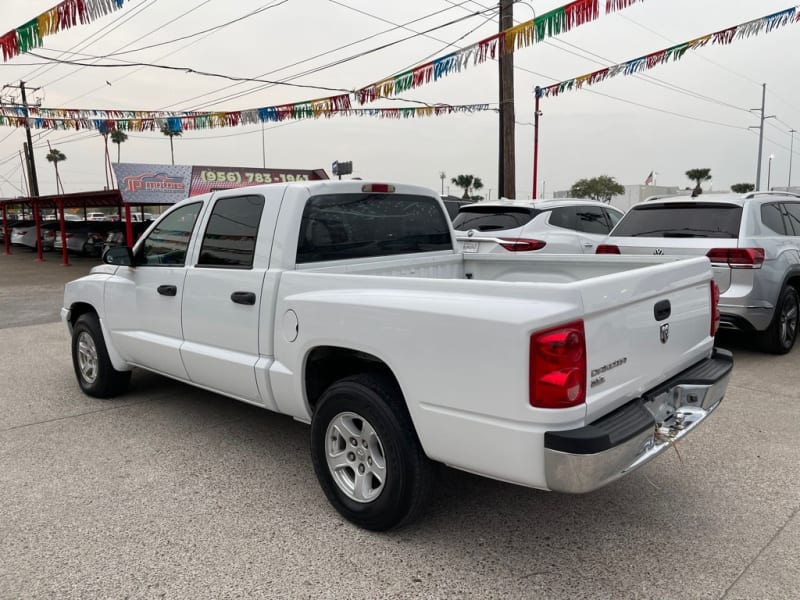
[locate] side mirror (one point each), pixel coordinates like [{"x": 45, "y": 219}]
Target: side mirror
[{"x": 118, "y": 255}]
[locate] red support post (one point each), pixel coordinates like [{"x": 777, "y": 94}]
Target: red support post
[
  {"x": 6, "y": 233},
  {"x": 37, "y": 219},
  {"x": 64, "y": 253},
  {"x": 128, "y": 226},
  {"x": 536, "y": 114}
]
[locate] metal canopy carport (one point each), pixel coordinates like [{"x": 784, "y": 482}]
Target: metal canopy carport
[{"x": 61, "y": 202}]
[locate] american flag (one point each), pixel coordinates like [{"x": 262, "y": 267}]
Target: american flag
[{"x": 650, "y": 178}]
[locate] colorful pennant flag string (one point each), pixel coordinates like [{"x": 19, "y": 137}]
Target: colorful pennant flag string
[
  {"x": 63, "y": 16},
  {"x": 104, "y": 121},
  {"x": 752, "y": 28},
  {"x": 547, "y": 25}
]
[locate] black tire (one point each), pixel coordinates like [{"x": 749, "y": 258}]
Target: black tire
[
  {"x": 96, "y": 375},
  {"x": 780, "y": 336},
  {"x": 407, "y": 474}
]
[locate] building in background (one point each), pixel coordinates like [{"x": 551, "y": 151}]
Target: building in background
[{"x": 635, "y": 194}]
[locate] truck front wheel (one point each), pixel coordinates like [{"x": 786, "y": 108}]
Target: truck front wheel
[
  {"x": 96, "y": 375},
  {"x": 366, "y": 454}
]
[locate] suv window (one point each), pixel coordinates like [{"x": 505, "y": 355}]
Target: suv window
[
  {"x": 230, "y": 238},
  {"x": 167, "y": 243},
  {"x": 613, "y": 217},
  {"x": 588, "y": 219},
  {"x": 493, "y": 218},
  {"x": 340, "y": 226},
  {"x": 772, "y": 217},
  {"x": 681, "y": 219},
  {"x": 793, "y": 217}
]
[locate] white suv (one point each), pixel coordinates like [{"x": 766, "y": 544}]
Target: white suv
[
  {"x": 753, "y": 243},
  {"x": 566, "y": 226}
]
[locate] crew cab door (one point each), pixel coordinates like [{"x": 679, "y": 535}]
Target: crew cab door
[
  {"x": 223, "y": 295},
  {"x": 143, "y": 302}
]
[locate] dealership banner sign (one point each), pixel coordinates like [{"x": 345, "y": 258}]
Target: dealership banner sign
[{"x": 142, "y": 183}]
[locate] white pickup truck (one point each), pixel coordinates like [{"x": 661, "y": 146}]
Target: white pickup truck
[{"x": 348, "y": 305}]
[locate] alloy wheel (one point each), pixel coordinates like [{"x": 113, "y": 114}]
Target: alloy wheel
[
  {"x": 87, "y": 357},
  {"x": 355, "y": 457}
]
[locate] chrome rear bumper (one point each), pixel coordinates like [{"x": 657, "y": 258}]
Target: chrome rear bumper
[{"x": 584, "y": 459}]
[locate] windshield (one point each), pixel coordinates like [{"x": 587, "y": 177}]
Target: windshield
[
  {"x": 683, "y": 219},
  {"x": 493, "y": 218}
]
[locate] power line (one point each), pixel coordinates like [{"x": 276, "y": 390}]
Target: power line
[
  {"x": 309, "y": 59},
  {"x": 146, "y": 35},
  {"x": 106, "y": 30},
  {"x": 705, "y": 58}
]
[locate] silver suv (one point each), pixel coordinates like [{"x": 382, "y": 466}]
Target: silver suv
[{"x": 753, "y": 243}]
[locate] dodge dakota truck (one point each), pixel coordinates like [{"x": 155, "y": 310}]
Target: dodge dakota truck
[{"x": 348, "y": 305}]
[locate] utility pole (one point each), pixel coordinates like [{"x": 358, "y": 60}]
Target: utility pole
[
  {"x": 761, "y": 133},
  {"x": 536, "y": 114},
  {"x": 506, "y": 168},
  {"x": 791, "y": 155},
  {"x": 32, "y": 163}
]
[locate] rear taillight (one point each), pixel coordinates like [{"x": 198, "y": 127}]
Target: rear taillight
[
  {"x": 607, "y": 249},
  {"x": 521, "y": 244},
  {"x": 715, "y": 316},
  {"x": 558, "y": 367},
  {"x": 737, "y": 258}
]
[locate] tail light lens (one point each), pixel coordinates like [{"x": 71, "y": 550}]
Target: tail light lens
[
  {"x": 715, "y": 316},
  {"x": 558, "y": 367},
  {"x": 737, "y": 258},
  {"x": 377, "y": 188},
  {"x": 607, "y": 249},
  {"x": 521, "y": 244}
]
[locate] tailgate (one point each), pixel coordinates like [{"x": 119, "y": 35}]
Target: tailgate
[
  {"x": 679, "y": 247},
  {"x": 642, "y": 327}
]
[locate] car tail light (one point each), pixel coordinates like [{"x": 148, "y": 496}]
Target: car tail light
[
  {"x": 521, "y": 244},
  {"x": 378, "y": 188},
  {"x": 737, "y": 258},
  {"x": 558, "y": 367},
  {"x": 715, "y": 316},
  {"x": 607, "y": 249}
]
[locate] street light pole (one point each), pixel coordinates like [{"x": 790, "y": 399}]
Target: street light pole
[
  {"x": 791, "y": 155},
  {"x": 769, "y": 170}
]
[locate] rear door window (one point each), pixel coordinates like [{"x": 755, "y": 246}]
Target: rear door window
[
  {"x": 681, "y": 219},
  {"x": 230, "y": 237},
  {"x": 341, "y": 226},
  {"x": 591, "y": 219},
  {"x": 493, "y": 218}
]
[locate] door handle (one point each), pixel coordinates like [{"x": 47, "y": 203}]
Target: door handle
[
  {"x": 243, "y": 298},
  {"x": 167, "y": 290}
]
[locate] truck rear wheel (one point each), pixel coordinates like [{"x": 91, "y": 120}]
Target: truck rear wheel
[
  {"x": 96, "y": 375},
  {"x": 366, "y": 454},
  {"x": 781, "y": 334}
]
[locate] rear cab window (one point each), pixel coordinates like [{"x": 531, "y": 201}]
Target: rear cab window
[
  {"x": 681, "y": 219},
  {"x": 493, "y": 218},
  {"x": 344, "y": 226}
]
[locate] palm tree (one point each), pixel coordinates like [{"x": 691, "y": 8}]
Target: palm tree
[
  {"x": 118, "y": 137},
  {"x": 55, "y": 156},
  {"x": 167, "y": 130},
  {"x": 468, "y": 183},
  {"x": 698, "y": 176}
]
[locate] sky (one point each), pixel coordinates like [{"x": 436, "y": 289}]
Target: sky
[{"x": 692, "y": 113}]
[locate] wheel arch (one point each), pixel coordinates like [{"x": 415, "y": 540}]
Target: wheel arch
[
  {"x": 76, "y": 311},
  {"x": 325, "y": 365}
]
